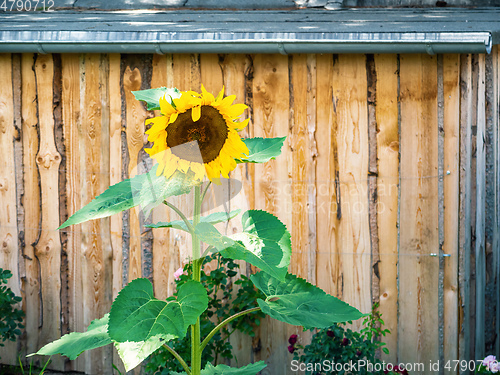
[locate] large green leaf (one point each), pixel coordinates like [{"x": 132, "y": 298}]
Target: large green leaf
[
  {"x": 137, "y": 316},
  {"x": 250, "y": 369},
  {"x": 147, "y": 190},
  {"x": 73, "y": 344},
  {"x": 297, "y": 302},
  {"x": 152, "y": 96},
  {"x": 264, "y": 242},
  {"x": 215, "y": 218},
  {"x": 133, "y": 353},
  {"x": 262, "y": 149}
]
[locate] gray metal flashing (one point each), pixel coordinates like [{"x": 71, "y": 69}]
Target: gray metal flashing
[{"x": 298, "y": 31}]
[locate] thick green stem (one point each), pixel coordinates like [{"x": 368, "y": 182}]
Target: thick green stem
[
  {"x": 223, "y": 323},
  {"x": 179, "y": 358},
  {"x": 197, "y": 262}
]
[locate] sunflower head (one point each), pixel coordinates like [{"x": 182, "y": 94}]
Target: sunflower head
[{"x": 197, "y": 132}]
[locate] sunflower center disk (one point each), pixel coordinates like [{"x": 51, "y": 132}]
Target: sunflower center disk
[{"x": 210, "y": 131}]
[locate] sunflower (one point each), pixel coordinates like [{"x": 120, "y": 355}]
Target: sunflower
[{"x": 197, "y": 132}]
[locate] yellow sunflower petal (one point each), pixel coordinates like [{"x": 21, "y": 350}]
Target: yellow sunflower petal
[
  {"x": 207, "y": 98},
  {"x": 236, "y": 110},
  {"x": 173, "y": 117},
  {"x": 226, "y": 102},
  {"x": 165, "y": 107},
  {"x": 219, "y": 97},
  {"x": 199, "y": 171},
  {"x": 196, "y": 113}
]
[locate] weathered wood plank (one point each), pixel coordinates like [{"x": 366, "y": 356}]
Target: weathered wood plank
[
  {"x": 300, "y": 168},
  {"x": 386, "y": 113},
  {"x": 30, "y": 202},
  {"x": 451, "y": 122},
  {"x": 272, "y": 180},
  {"x": 186, "y": 76},
  {"x": 9, "y": 249},
  {"x": 135, "y": 117},
  {"x": 418, "y": 323},
  {"x": 73, "y": 137},
  {"x": 233, "y": 75},
  {"x": 48, "y": 247},
  {"x": 93, "y": 259},
  {"x": 350, "y": 94},
  {"x": 328, "y": 275},
  {"x": 480, "y": 243},
  {"x": 464, "y": 344},
  {"x": 165, "y": 259},
  {"x": 115, "y": 160},
  {"x": 496, "y": 141}
]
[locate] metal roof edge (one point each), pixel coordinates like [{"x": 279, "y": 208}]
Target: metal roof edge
[{"x": 284, "y": 43}]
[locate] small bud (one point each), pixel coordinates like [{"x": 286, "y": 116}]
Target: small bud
[{"x": 358, "y": 352}]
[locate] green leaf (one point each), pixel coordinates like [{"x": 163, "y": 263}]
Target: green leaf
[
  {"x": 147, "y": 190},
  {"x": 250, "y": 369},
  {"x": 264, "y": 242},
  {"x": 262, "y": 149},
  {"x": 297, "y": 302},
  {"x": 137, "y": 316},
  {"x": 152, "y": 96},
  {"x": 215, "y": 218},
  {"x": 73, "y": 344},
  {"x": 133, "y": 353}
]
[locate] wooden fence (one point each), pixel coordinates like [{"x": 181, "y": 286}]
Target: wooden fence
[{"x": 389, "y": 183}]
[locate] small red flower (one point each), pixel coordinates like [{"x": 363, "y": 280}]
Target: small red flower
[
  {"x": 293, "y": 339},
  {"x": 358, "y": 352},
  {"x": 291, "y": 348},
  {"x": 330, "y": 334},
  {"x": 345, "y": 341}
]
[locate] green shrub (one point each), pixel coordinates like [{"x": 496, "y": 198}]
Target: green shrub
[
  {"x": 11, "y": 318},
  {"x": 340, "y": 345},
  {"x": 222, "y": 303}
]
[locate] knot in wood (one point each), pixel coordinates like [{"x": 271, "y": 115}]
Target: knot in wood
[
  {"x": 47, "y": 159},
  {"x": 6, "y": 249},
  {"x": 4, "y": 184}
]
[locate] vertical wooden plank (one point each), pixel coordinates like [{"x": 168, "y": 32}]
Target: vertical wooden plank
[
  {"x": 233, "y": 74},
  {"x": 165, "y": 258},
  {"x": 480, "y": 248},
  {"x": 418, "y": 288},
  {"x": 186, "y": 76},
  {"x": 30, "y": 201},
  {"x": 271, "y": 113},
  {"x": 73, "y": 137},
  {"x": 115, "y": 159},
  {"x": 212, "y": 79},
  {"x": 48, "y": 247},
  {"x": 93, "y": 261},
  {"x": 496, "y": 140},
  {"x": 451, "y": 121},
  {"x": 350, "y": 93},
  {"x": 386, "y": 113},
  {"x": 9, "y": 249},
  {"x": 300, "y": 168},
  {"x": 135, "y": 117},
  {"x": 465, "y": 206},
  {"x": 328, "y": 274}
]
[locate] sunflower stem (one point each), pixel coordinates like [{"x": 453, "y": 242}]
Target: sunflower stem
[
  {"x": 222, "y": 324},
  {"x": 197, "y": 262},
  {"x": 205, "y": 190},
  {"x": 179, "y": 358},
  {"x": 183, "y": 217}
]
